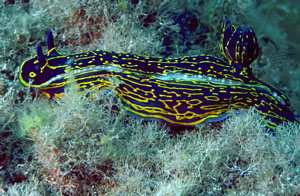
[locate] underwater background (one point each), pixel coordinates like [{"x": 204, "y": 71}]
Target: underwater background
[{"x": 82, "y": 146}]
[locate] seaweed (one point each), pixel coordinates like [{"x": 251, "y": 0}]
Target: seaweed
[{"x": 83, "y": 146}]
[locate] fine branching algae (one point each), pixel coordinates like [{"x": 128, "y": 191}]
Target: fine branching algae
[{"x": 166, "y": 113}]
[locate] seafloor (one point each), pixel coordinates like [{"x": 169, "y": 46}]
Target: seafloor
[{"x": 82, "y": 146}]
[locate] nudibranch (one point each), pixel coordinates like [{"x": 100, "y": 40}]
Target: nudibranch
[{"x": 184, "y": 91}]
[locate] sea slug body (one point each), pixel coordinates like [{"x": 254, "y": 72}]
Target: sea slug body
[{"x": 185, "y": 91}]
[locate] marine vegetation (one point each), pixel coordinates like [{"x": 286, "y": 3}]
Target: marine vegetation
[{"x": 69, "y": 131}]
